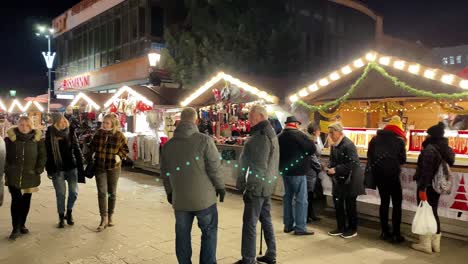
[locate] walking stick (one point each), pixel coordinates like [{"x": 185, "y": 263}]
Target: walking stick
[{"x": 261, "y": 240}]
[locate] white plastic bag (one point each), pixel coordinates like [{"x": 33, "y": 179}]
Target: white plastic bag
[{"x": 424, "y": 222}]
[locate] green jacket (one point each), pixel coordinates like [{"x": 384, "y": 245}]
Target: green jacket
[
  {"x": 25, "y": 158},
  {"x": 261, "y": 158},
  {"x": 189, "y": 166}
]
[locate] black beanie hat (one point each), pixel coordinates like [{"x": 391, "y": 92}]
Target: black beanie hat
[{"x": 437, "y": 131}]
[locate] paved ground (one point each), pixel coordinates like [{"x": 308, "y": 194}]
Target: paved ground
[{"x": 144, "y": 233}]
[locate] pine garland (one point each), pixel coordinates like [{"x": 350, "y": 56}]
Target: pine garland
[{"x": 396, "y": 82}]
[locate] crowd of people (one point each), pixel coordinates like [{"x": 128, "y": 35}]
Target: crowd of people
[{"x": 190, "y": 165}]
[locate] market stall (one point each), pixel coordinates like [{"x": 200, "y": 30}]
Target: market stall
[
  {"x": 366, "y": 93},
  {"x": 33, "y": 109},
  {"x": 223, "y": 104}
]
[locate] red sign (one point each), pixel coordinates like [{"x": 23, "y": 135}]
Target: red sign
[
  {"x": 75, "y": 82},
  {"x": 84, "y": 4},
  {"x": 60, "y": 23}
]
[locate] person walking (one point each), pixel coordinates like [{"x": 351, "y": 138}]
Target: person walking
[
  {"x": 314, "y": 167},
  {"x": 295, "y": 149},
  {"x": 435, "y": 150},
  {"x": 347, "y": 180},
  {"x": 109, "y": 147},
  {"x": 64, "y": 164},
  {"x": 2, "y": 168},
  {"x": 190, "y": 166},
  {"x": 259, "y": 170},
  {"x": 25, "y": 161},
  {"x": 386, "y": 153}
]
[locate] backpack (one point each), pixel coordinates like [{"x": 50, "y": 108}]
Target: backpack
[{"x": 443, "y": 179}]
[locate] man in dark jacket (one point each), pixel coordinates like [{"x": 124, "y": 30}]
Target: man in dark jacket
[
  {"x": 347, "y": 179},
  {"x": 435, "y": 150},
  {"x": 385, "y": 155},
  {"x": 259, "y": 163},
  {"x": 295, "y": 148}
]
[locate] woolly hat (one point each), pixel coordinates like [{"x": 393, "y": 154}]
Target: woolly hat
[
  {"x": 396, "y": 126},
  {"x": 336, "y": 127},
  {"x": 437, "y": 131},
  {"x": 396, "y": 121}
]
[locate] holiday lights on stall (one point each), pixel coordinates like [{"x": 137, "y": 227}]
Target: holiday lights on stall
[
  {"x": 23, "y": 108},
  {"x": 87, "y": 99},
  {"x": 396, "y": 63},
  {"x": 229, "y": 78},
  {"x": 126, "y": 89},
  {"x": 2, "y": 106}
]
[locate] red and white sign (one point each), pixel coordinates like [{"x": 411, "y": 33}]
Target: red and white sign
[{"x": 78, "y": 82}]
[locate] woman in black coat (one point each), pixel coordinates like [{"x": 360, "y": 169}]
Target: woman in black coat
[
  {"x": 435, "y": 149},
  {"x": 64, "y": 164}
]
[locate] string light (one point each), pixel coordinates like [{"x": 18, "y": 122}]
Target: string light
[
  {"x": 430, "y": 74},
  {"x": 303, "y": 93},
  {"x": 324, "y": 82},
  {"x": 2, "y": 106},
  {"x": 86, "y": 98},
  {"x": 371, "y": 56},
  {"x": 399, "y": 65},
  {"x": 358, "y": 63},
  {"x": 19, "y": 105},
  {"x": 384, "y": 60},
  {"x": 414, "y": 69},
  {"x": 313, "y": 87},
  {"x": 293, "y": 98},
  {"x": 334, "y": 76},
  {"x": 464, "y": 84},
  {"x": 130, "y": 91},
  {"x": 447, "y": 78},
  {"x": 346, "y": 70}
]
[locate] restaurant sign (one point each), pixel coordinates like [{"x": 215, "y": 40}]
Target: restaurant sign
[{"x": 78, "y": 82}]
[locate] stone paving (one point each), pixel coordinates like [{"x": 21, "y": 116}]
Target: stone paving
[{"x": 144, "y": 233}]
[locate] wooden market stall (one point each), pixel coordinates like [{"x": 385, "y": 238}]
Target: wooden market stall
[{"x": 365, "y": 93}]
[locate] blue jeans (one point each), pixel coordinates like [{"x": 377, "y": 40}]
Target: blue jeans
[
  {"x": 58, "y": 180},
  {"x": 208, "y": 224},
  {"x": 295, "y": 188}
]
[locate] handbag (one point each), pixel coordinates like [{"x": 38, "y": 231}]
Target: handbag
[
  {"x": 90, "y": 170},
  {"x": 369, "y": 179}
]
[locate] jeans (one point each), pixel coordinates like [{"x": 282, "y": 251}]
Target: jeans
[
  {"x": 20, "y": 204},
  {"x": 106, "y": 182},
  {"x": 295, "y": 187},
  {"x": 58, "y": 180},
  {"x": 208, "y": 224},
  {"x": 257, "y": 209},
  {"x": 346, "y": 210},
  {"x": 390, "y": 190},
  {"x": 433, "y": 200}
]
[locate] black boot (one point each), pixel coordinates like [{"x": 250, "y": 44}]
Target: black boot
[
  {"x": 24, "y": 230},
  {"x": 15, "y": 234},
  {"x": 61, "y": 223},
  {"x": 69, "y": 217}
]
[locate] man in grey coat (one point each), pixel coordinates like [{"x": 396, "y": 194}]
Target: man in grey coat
[
  {"x": 189, "y": 166},
  {"x": 259, "y": 163},
  {"x": 2, "y": 167}
]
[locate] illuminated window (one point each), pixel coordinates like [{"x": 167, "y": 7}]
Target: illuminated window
[
  {"x": 452, "y": 60},
  {"x": 445, "y": 60},
  {"x": 459, "y": 59}
]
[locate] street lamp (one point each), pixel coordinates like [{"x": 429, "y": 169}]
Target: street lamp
[
  {"x": 154, "y": 58},
  {"x": 48, "y": 57}
]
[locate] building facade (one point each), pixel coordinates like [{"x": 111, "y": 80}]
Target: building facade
[{"x": 451, "y": 58}]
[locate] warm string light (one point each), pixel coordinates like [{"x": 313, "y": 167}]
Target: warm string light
[
  {"x": 20, "y": 106},
  {"x": 129, "y": 90},
  {"x": 86, "y": 98}
]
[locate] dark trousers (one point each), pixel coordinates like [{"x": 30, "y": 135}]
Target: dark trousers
[
  {"x": 208, "y": 224},
  {"x": 257, "y": 209},
  {"x": 433, "y": 200},
  {"x": 106, "y": 183},
  {"x": 390, "y": 190},
  {"x": 346, "y": 214},
  {"x": 310, "y": 207},
  {"x": 20, "y": 204}
]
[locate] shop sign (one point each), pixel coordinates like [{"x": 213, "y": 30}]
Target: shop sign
[
  {"x": 60, "y": 23},
  {"x": 79, "y": 82},
  {"x": 84, "y": 4}
]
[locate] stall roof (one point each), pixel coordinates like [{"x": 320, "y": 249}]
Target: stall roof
[
  {"x": 17, "y": 106},
  {"x": 96, "y": 100},
  {"x": 251, "y": 84},
  {"x": 149, "y": 95},
  {"x": 377, "y": 86}
]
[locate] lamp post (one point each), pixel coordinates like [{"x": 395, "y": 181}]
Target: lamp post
[{"x": 48, "y": 57}]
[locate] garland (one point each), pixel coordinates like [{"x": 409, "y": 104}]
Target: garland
[{"x": 396, "y": 82}]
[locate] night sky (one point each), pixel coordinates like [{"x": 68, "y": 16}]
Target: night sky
[{"x": 434, "y": 22}]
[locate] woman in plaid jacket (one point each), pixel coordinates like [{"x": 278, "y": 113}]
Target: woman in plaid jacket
[{"x": 109, "y": 147}]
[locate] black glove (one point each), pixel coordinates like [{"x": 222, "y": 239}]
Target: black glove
[
  {"x": 169, "y": 198},
  {"x": 247, "y": 197},
  {"x": 221, "y": 193}
]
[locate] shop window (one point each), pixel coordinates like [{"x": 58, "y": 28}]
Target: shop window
[
  {"x": 125, "y": 28},
  {"x": 445, "y": 60},
  {"x": 452, "y": 60},
  {"x": 459, "y": 59},
  {"x": 117, "y": 32}
]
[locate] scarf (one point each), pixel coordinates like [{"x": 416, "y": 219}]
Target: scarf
[
  {"x": 292, "y": 125},
  {"x": 397, "y": 130},
  {"x": 55, "y": 136}
]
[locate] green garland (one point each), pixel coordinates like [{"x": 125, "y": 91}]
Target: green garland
[{"x": 396, "y": 82}]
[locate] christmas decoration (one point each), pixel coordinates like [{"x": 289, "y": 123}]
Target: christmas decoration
[{"x": 461, "y": 202}]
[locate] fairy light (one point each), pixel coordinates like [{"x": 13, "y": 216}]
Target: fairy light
[
  {"x": 2, "y": 106},
  {"x": 303, "y": 93},
  {"x": 19, "y": 105},
  {"x": 358, "y": 63},
  {"x": 414, "y": 69},
  {"x": 130, "y": 91},
  {"x": 371, "y": 56},
  {"x": 324, "y": 82},
  {"x": 293, "y": 98},
  {"x": 447, "y": 78},
  {"x": 346, "y": 70},
  {"x": 384, "y": 61},
  {"x": 399, "y": 65},
  {"x": 464, "y": 84},
  {"x": 38, "y": 106},
  {"x": 334, "y": 76},
  {"x": 86, "y": 98},
  {"x": 313, "y": 87},
  {"x": 430, "y": 74}
]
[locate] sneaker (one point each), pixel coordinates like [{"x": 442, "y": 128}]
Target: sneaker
[
  {"x": 335, "y": 233},
  {"x": 267, "y": 260},
  {"x": 303, "y": 233},
  {"x": 24, "y": 230},
  {"x": 288, "y": 230},
  {"x": 349, "y": 234}
]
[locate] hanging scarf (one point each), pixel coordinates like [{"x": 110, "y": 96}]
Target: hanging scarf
[
  {"x": 395, "y": 129},
  {"x": 55, "y": 136}
]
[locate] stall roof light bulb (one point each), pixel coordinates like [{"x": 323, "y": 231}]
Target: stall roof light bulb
[
  {"x": 399, "y": 65},
  {"x": 303, "y": 93},
  {"x": 414, "y": 69},
  {"x": 464, "y": 84},
  {"x": 313, "y": 87},
  {"x": 293, "y": 98},
  {"x": 358, "y": 63},
  {"x": 429, "y": 74},
  {"x": 346, "y": 70},
  {"x": 323, "y": 82},
  {"x": 447, "y": 78},
  {"x": 371, "y": 56},
  {"x": 384, "y": 60},
  {"x": 334, "y": 76}
]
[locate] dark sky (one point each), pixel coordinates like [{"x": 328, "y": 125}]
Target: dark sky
[{"x": 434, "y": 22}]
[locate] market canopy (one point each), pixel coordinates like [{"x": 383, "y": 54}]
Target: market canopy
[
  {"x": 378, "y": 76},
  {"x": 148, "y": 95},
  {"x": 236, "y": 90}
]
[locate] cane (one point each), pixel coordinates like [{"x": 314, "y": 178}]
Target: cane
[{"x": 261, "y": 240}]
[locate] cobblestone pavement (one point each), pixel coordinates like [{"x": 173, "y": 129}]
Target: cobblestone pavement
[{"x": 144, "y": 233}]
